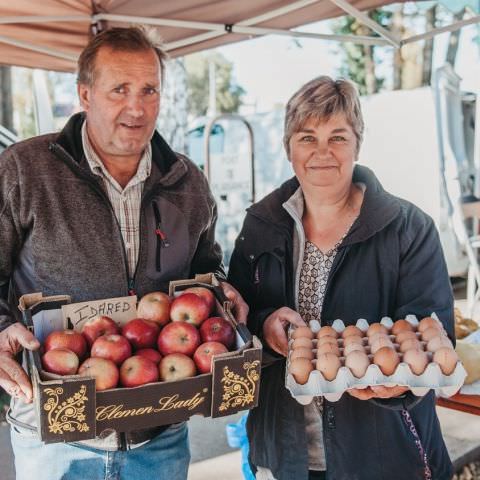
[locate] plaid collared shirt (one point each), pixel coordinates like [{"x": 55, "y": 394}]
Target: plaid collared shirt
[{"x": 125, "y": 201}]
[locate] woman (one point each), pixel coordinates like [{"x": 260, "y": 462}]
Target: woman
[{"x": 332, "y": 243}]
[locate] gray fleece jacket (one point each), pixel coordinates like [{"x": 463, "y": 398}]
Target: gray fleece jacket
[{"x": 59, "y": 233}]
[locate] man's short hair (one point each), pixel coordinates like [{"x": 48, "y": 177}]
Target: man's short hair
[
  {"x": 322, "y": 98},
  {"x": 126, "y": 39}
]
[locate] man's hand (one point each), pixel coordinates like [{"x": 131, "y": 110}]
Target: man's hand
[
  {"x": 240, "y": 308},
  {"x": 377, "y": 391},
  {"x": 12, "y": 376},
  {"x": 275, "y": 328}
]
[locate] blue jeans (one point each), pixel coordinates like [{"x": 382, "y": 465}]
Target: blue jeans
[{"x": 166, "y": 457}]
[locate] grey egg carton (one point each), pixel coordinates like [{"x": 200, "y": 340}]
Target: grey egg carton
[{"x": 431, "y": 378}]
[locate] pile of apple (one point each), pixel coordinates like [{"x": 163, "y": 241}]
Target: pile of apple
[{"x": 170, "y": 340}]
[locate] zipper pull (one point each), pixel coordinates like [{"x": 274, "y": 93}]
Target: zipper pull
[
  {"x": 131, "y": 287},
  {"x": 162, "y": 235}
]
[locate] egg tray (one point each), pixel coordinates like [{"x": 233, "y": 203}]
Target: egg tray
[{"x": 431, "y": 378}]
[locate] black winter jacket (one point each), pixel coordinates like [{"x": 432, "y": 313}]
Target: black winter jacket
[{"x": 389, "y": 264}]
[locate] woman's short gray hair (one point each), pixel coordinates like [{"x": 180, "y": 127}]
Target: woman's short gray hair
[{"x": 321, "y": 98}]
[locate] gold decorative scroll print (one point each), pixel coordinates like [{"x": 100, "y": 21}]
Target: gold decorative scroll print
[
  {"x": 239, "y": 391},
  {"x": 68, "y": 415}
]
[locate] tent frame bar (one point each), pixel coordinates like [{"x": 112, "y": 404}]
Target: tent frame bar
[
  {"x": 44, "y": 19},
  {"x": 236, "y": 28},
  {"x": 36, "y": 48},
  {"x": 447, "y": 28},
  {"x": 366, "y": 20}
]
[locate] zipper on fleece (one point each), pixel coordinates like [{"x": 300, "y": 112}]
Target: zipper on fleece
[{"x": 162, "y": 241}]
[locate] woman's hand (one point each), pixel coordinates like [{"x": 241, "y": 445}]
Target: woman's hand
[
  {"x": 377, "y": 391},
  {"x": 275, "y": 328},
  {"x": 240, "y": 308}
]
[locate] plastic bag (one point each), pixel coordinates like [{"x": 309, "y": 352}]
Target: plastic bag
[{"x": 237, "y": 438}]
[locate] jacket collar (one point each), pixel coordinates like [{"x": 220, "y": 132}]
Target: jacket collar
[
  {"x": 379, "y": 207},
  {"x": 167, "y": 168}
]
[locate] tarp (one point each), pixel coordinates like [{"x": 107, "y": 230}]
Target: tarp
[{"x": 28, "y": 37}]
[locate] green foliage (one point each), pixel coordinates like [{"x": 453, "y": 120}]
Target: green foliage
[
  {"x": 356, "y": 55},
  {"x": 228, "y": 94}
]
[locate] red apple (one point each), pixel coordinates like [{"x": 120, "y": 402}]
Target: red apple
[
  {"x": 150, "y": 353},
  {"x": 205, "y": 293},
  {"x": 178, "y": 337},
  {"x": 113, "y": 347},
  {"x": 98, "y": 326},
  {"x": 175, "y": 367},
  {"x": 61, "y": 361},
  {"x": 155, "y": 306},
  {"x": 103, "y": 370},
  {"x": 137, "y": 371},
  {"x": 204, "y": 353},
  {"x": 217, "y": 329},
  {"x": 189, "y": 308},
  {"x": 141, "y": 333},
  {"x": 69, "y": 339}
]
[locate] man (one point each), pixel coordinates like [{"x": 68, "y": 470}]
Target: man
[{"x": 103, "y": 209}]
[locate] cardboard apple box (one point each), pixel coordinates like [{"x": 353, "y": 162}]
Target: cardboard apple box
[{"x": 69, "y": 409}]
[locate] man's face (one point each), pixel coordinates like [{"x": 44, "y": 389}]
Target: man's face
[{"x": 122, "y": 104}]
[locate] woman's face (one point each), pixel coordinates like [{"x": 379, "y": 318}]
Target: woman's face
[{"x": 323, "y": 153}]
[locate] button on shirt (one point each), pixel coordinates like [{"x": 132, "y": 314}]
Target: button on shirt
[{"x": 125, "y": 201}]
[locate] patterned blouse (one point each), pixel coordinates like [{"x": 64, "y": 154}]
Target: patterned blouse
[{"x": 313, "y": 280}]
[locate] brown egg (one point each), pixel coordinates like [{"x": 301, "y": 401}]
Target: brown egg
[
  {"x": 430, "y": 333},
  {"x": 302, "y": 332},
  {"x": 352, "y": 339},
  {"x": 406, "y": 334},
  {"x": 410, "y": 344},
  {"x": 323, "y": 340},
  {"x": 417, "y": 360},
  {"x": 376, "y": 328},
  {"x": 302, "y": 352},
  {"x": 328, "y": 348},
  {"x": 352, "y": 348},
  {"x": 328, "y": 365},
  {"x": 447, "y": 359},
  {"x": 429, "y": 322},
  {"x": 327, "y": 331},
  {"x": 401, "y": 326},
  {"x": 379, "y": 343},
  {"x": 438, "y": 342},
  {"x": 373, "y": 338},
  {"x": 352, "y": 330},
  {"x": 387, "y": 359},
  {"x": 302, "y": 342},
  {"x": 300, "y": 368},
  {"x": 357, "y": 362}
]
